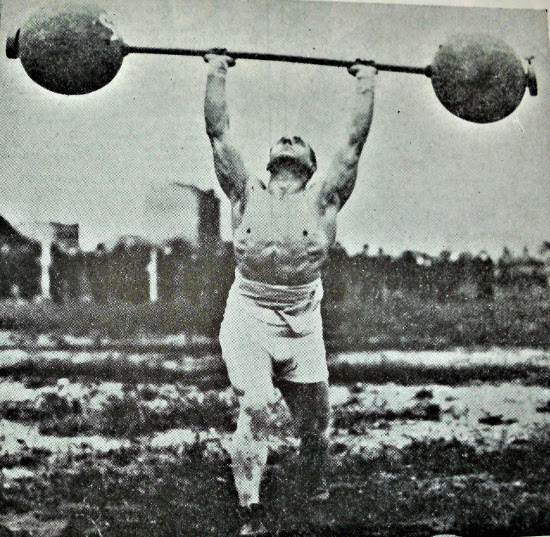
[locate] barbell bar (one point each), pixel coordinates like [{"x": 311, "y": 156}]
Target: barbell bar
[
  {"x": 330, "y": 62},
  {"x": 75, "y": 50}
]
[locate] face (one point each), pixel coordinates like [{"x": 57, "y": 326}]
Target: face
[{"x": 293, "y": 148}]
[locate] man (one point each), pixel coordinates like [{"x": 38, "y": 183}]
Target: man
[{"x": 272, "y": 330}]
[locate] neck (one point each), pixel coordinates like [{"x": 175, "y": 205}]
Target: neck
[{"x": 287, "y": 181}]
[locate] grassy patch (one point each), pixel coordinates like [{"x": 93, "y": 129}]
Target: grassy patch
[
  {"x": 39, "y": 371},
  {"x": 409, "y": 374},
  {"x": 115, "y": 319},
  {"x": 115, "y": 369},
  {"x": 414, "y": 322},
  {"x": 407, "y": 321}
]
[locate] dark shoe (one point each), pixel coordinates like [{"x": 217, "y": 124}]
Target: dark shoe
[
  {"x": 320, "y": 492},
  {"x": 252, "y": 520}
]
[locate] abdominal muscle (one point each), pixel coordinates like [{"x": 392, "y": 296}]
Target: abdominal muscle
[
  {"x": 282, "y": 241},
  {"x": 278, "y": 264}
]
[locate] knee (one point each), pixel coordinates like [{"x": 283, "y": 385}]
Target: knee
[{"x": 258, "y": 421}]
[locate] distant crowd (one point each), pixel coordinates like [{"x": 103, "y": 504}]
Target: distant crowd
[{"x": 182, "y": 272}]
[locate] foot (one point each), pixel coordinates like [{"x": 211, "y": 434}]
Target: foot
[
  {"x": 252, "y": 520},
  {"x": 319, "y": 491}
]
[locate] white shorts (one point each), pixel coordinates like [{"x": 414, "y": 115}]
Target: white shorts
[{"x": 272, "y": 331}]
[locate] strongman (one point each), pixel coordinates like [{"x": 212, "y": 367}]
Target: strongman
[{"x": 271, "y": 334}]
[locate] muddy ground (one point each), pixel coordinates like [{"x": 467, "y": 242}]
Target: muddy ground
[{"x": 85, "y": 454}]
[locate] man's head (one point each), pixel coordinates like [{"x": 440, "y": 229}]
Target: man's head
[{"x": 292, "y": 152}]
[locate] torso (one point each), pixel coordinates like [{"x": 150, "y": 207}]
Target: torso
[{"x": 282, "y": 239}]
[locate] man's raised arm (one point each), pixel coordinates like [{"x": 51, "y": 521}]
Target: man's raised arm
[
  {"x": 228, "y": 163},
  {"x": 342, "y": 173}
]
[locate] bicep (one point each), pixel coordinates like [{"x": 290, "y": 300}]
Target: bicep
[{"x": 229, "y": 167}]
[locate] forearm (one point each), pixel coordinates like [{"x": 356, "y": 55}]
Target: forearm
[
  {"x": 362, "y": 112},
  {"x": 215, "y": 102},
  {"x": 228, "y": 164},
  {"x": 342, "y": 173}
]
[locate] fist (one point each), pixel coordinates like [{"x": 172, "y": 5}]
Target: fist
[
  {"x": 219, "y": 57},
  {"x": 363, "y": 69}
]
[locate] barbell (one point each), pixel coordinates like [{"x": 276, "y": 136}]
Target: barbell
[{"x": 75, "y": 50}]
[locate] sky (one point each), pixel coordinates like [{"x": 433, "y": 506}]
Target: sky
[{"x": 427, "y": 181}]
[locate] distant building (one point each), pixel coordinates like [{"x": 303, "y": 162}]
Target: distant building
[
  {"x": 19, "y": 263},
  {"x": 11, "y": 237},
  {"x": 180, "y": 211},
  {"x": 66, "y": 236}
]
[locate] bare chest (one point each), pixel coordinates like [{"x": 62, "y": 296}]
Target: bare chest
[{"x": 298, "y": 217}]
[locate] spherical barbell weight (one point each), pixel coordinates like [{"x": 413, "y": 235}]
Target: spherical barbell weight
[
  {"x": 74, "y": 50},
  {"x": 69, "y": 50},
  {"x": 478, "y": 78}
]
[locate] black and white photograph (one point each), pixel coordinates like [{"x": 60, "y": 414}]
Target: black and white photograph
[{"x": 274, "y": 268}]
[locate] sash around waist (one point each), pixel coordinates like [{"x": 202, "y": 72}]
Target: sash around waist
[
  {"x": 298, "y": 307},
  {"x": 292, "y": 299}
]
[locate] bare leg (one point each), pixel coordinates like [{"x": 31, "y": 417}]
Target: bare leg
[
  {"x": 249, "y": 456},
  {"x": 310, "y": 409},
  {"x": 249, "y": 451}
]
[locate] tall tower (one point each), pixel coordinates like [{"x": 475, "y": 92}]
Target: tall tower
[{"x": 180, "y": 211}]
